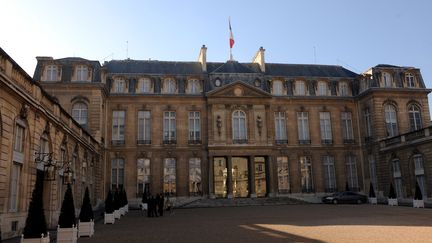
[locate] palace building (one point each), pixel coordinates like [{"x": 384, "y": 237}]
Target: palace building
[{"x": 233, "y": 129}]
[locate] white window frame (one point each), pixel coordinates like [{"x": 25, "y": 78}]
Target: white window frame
[
  {"x": 277, "y": 87},
  {"x": 19, "y": 141},
  {"x": 239, "y": 126},
  {"x": 118, "y": 125},
  {"x": 80, "y": 112},
  {"x": 322, "y": 88},
  {"x": 419, "y": 173},
  {"x": 347, "y": 126},
  {"x": 170, "y": 176},
  {"x": 169, "y": 126},
  {"x": 52, "y": 73},
  {"x": 410, "y": 80},
  {"x": 82, "y": 73},
  {"x": 397, "y": 176},
  {"x": 325, "y": 126},
  {"x": 367, "y": 116},
  {"x": 194, "y": 86},
  {"x": 280, "y": 126},
  {"x": 170, "y": 86},
  {"x": 391, "y": 120},
  {"x": 387, "y": 80},
  {"x": 283, "y": 174},
  {"x": 329, "y": 173},
  {"x": 343, "y": 89},
  {"x": 194, "y": 126},
  {"x": 144, "y": 85},
  {"x": 306, "y": 174},
  {"x": 195, "y": 176},
  {"x": 303, "y": 126},
  {"x": 415, "y": 119},
  {"x": 15, "y": 186},
  {"x": 300, "y": 87},
  {"x": 144, "y": 126},
  {"x": 143, "y": 174},
  {"x": 117, "y": 173},
  {"x": 351, "y": 171}
]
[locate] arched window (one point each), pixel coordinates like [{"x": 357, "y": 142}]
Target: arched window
[
  {"x": 277, "y": 88},
  {"x": 239, "y": 127},
  {"x": 391, "y": 120},
  {"x": 80, "y": 113},
  {"x": 409, "y": 79},
  {"x": 194, "y": 86},
  {"x": 414, "y": 118},
  {"x": 419, "y": 173},
  {"x": 117, "y": 173},
  {"x": 17, "y": 165},
  {"x": 397, "y": 177},
  {"x": 387, "y": 80}
]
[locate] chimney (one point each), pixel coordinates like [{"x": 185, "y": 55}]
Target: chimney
[
  {"x": 259, "y": 58},
  {"x": 202, "y": 58}
]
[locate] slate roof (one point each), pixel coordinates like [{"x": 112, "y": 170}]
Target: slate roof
[
  {"x": 230, "y": 67},
  {"x": 308, "y": 70},
  {"x": 152, "y": 67}
]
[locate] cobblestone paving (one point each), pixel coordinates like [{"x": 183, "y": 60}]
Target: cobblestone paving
[{"x": 281, "y": 223}]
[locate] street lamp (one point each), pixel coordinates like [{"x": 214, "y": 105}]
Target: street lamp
[{"x": 50, "y": 167}]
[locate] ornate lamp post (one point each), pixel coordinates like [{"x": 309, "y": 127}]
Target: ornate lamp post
[{"x": 50, "y": 167}]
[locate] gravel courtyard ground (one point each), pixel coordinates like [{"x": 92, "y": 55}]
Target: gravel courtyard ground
[{"x": 286, "y": 223}]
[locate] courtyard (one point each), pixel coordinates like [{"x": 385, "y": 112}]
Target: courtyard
[{"x": 283, "y": 223}]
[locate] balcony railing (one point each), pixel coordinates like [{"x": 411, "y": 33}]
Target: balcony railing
[
  {"x": 409, "y": 137},
  {"x": 305, "y": 141},
  {"x": 327, "y": 141},
  {"x": 240, "y": 141},
  {"x": 143, "y": 141},
  {"x": 171, "y": 141},
  {"x": 194, "y": 141},
  {"x": 348, "y": 141},
  {"x": 117, "y": 142},
  {"x": 281, "y": 141}
]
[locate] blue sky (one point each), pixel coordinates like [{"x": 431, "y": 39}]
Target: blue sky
[{"x": 354, "y": 34}]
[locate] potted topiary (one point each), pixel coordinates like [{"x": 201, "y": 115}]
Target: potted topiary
[
  {"x": 126, "y": 206},
  {"x": 109, "y": 209},
  {"x": 392, "y": 199},
  {"x": 372, "y": 196},
  {"x": 117, "y": 205},
  {"x": 86, "y": 217},
  {"x": 66, "y": 229},
  {"x": 418, "y": 197},
  {"x": 35, "y": 230},
  {"x": 122, "y": 202}
]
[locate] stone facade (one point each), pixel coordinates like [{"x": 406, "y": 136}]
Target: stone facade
[{"x": 26, "y": 109}]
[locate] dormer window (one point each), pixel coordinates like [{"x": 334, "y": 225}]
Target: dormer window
[
  {"x": 194, "y": 86},
  {"x": 169, "y": 86},
  {"x": 409, "y": 79},
  {"x": 300, "y": 88},
  {"x": 145, "y": 86},
  {"x": 119, "y": 86},
  {"x": 343, "y": 89},
  {"x": 322, "y": 88},
  {"x": 277, "y": 87},
  {"x": 387, "y": 80},
  {"x": 82, "y": 73},
  {"x": 52, "y": 73}
]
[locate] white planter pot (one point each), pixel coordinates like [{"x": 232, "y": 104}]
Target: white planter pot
[
  {"x": 126, "y": 208},
  {"x": 122, "y": 211},
  {"x": 67, "y": 235},
  {"x": 392, "y": 202},
  {"x": 117, "y": 214},
  {"x": 86, "y": 228},
  {"x": 36, "y": 240},
  {"x": 109, "y": 218},
  {"x": 418, "y": 203},
  {"x": 373, "y": 200}
]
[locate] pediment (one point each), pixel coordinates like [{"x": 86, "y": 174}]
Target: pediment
[{"x": 238, "y": 89}]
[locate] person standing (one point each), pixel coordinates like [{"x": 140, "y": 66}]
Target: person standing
[{"x": 160, "y": 203}]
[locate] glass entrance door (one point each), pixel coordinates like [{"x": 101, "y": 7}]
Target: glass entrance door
[
  {"x": 240, "y": 177},
  {"x": 220, "y": 177},
  {"x": 260, "y": 177}
]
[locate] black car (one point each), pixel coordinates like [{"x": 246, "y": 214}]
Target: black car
[{"x": 345, "y": 197}]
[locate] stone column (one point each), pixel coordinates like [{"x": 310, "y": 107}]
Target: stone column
[
  {"x": 251, "y": 169},
  {"x": 229, "y": 177},
  {"x": 211, "y": 177}
]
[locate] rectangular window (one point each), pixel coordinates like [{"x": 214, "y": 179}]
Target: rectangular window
[
  {"x": 117, "y": 173},
  {"x": 283, "y": 175},
  {"x": 306, "y": 174},
  {"x": 194, "y": 127},
  {"x": 397, "y": 177},
  {"x": 81, "y": 73},
  {"x": 220, "y": 177},
  {"x": 144, "y": 86},
  {"x": 351, "y": 172},
  {"x": 280, "y": 128},
  {"x": 195, "y": 185},
  {"x": 169, "y": 176},
  {"x": 119, "y": 86},
  {"x": 372, "y": 171},
  {"x": 143, "y": 175},
  {"x": 329, "y": 173},
  {"x": 19, "y": 138},
  {"x": 118, "y": 127},
  {"x": 419, "y": 173},
  {"x": 347, "y": 129},
  {"x": 260, "y": 177},
  {"x": 303, "y": 127},
  {"x": 322, "y": 88},
  {"x": 368, "y": 124},
  {"x": 169, "y": 127},
  {"x": 300, "y": 88},
  {"x": 52, "y": 73},
  {"x": 14, "y": 187},
  {"x": 144, "y": 127},
  {"x": 325, "y": 125},
  {"x": 343, "y": 87}
]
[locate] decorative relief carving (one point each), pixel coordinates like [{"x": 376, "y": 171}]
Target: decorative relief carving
[
  {"x": 219, "y": 124},
  {"x": 24, "y": 111},
  {"x": 259, "y": 123}
]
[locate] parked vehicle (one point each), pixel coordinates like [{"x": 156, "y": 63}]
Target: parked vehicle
[{"x": 345, "y": 197}]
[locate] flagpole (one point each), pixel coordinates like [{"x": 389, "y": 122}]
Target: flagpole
[{"x": 231, "y": 58}]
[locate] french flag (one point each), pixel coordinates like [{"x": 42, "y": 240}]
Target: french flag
[{"x": 231, "y": 41}]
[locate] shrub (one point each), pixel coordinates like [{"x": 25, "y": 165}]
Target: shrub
[
  {"x": 418, "y": 193},
  {"x": 35, "y": 224},
  {"x": 392, "y": 193},
  {"x": 67, "y": 214},
  {"x": 86, "y": 213},
  {"x": 109, "y": 207},
  {"x": 371, "y": 191}
]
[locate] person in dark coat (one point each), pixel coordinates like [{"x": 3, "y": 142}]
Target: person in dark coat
[
  {"x": 160, "y": 202},
  {"x": 154, "y": 206},
  {"x": 150, "y": 206}
]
